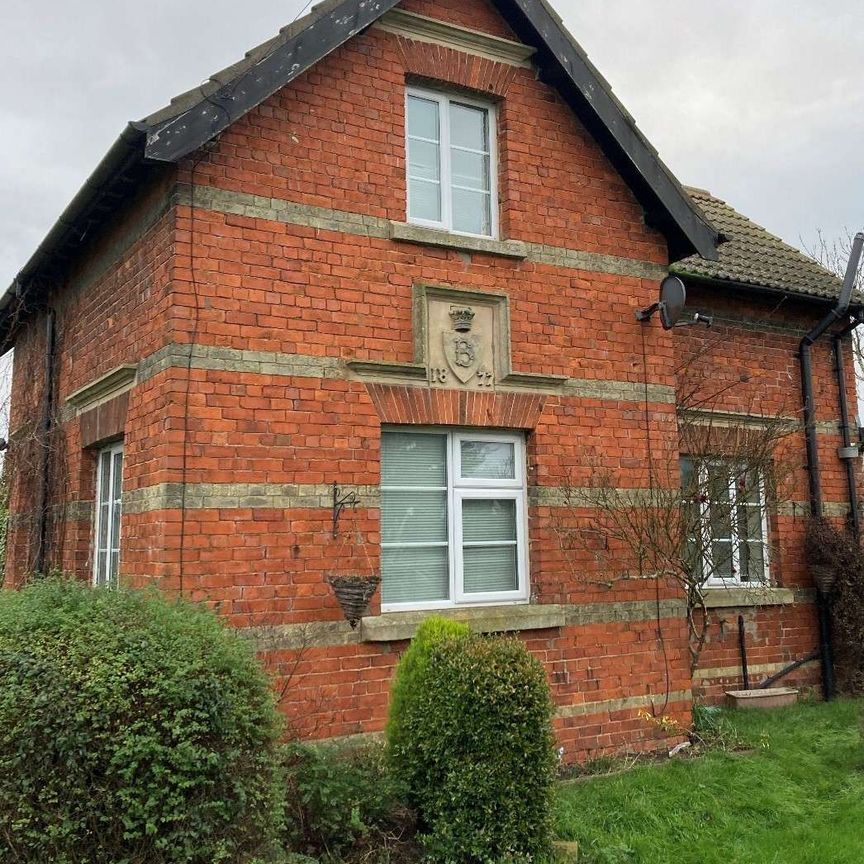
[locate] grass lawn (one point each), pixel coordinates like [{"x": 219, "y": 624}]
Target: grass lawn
[{"x": 798, "y": 798}]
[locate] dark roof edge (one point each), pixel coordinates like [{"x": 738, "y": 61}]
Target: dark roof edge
[
  {"x": 173, "y": 138},
  {"x": 751, "y": 287},
  {"x": 638, "y": 161}
]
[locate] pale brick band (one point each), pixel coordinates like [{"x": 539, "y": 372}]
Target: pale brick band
[
  {"x": 324, "y": 634},
  {"x": 217, "y": 358},
  {"x": 327, "y": 219}
]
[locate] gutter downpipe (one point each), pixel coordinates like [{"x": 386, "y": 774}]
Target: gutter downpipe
[
  {"x": 829, "y": 688},
  {"x": 848, "y": 452},
  {"x": 45, "y": 430}
]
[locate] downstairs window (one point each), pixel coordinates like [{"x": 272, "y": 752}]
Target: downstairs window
[{"x": 452, "y": 519}]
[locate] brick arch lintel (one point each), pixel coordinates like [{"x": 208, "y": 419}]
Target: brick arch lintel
[
  {"x": 431, "y": 62},
  {"x": 425, "y": 406}
]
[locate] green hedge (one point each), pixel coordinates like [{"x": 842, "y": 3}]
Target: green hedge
[
  {"x": 476, "y": 745},
  {"x": 132, "y": 729}
]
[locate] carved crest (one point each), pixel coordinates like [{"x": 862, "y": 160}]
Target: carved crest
[{"x": 462, "y": 351}]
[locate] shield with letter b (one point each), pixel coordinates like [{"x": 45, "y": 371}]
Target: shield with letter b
[{"x": 462, "y": 351}]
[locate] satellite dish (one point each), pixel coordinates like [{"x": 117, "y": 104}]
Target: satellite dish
[{"x": 673, "y": 299}]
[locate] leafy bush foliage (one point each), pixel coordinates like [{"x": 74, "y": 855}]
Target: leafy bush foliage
[
  {"x": 828, "y": 546},
  {"x": 405, "y": 689},
  {"x": 132, "y": 729},
  {"x": 477, "y": 734},
  {"x": 338, "y": 798}
]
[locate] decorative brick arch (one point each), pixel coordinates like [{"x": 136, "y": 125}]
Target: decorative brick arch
[
  {"x": 424, "y": 406},
  {"x": 439, "y": 63}
]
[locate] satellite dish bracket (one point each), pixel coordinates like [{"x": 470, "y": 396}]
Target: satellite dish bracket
[{"x": 673, "y": 299}]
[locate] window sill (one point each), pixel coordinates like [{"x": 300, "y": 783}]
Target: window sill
[
  {"x": 725, "y": 598},
  {"x": 398, "y": 626},
  {"x": 405, "y": 233}
]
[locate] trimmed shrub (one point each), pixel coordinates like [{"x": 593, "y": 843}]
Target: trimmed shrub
[
  {"x": 339, "y": 798},
  {"x": 480, "y": 734},
  {"x": 405, "y": 691},
  {"x": 132, "y": 729}
]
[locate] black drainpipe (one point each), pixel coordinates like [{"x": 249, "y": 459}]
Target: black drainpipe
[
  {"x": 848, "y": 452},
  {"x": 838, "y": 313},
  {"x": 45, "y": 443}
]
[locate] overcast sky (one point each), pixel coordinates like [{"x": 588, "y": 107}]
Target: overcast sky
[{"x": 760, "y": 102}]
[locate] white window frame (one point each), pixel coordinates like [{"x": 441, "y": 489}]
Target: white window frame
[
  {"x": 459, "y": 489},
  {"x": 445, "y": 172},
  {"x": 706, "y": 564},
  {"x": 115, "y": 512}
]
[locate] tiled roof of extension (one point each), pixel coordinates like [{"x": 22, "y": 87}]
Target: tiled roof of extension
[{"x": 753, "y": 256}]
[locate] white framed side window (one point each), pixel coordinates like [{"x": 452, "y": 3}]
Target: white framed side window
[
  {"x": 109, "y": 494},
  {"x": 452, "y": 163},
  {"x": 729, "y": 521},
  {"x": 453, "y": 519}
]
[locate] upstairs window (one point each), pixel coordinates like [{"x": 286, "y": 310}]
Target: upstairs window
[
  {"x": 109, "y": 481},
  {"x": 452, "y": 519},
  {"x": 728, "y": 521},
  {"x": 451, "y": 163}
]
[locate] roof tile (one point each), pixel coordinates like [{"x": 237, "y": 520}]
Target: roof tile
[{"x": 753, "y": 256}]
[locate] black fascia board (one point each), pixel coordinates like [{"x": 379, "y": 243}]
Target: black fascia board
[
  {"x": 179, "y": 136},
  {"x": 667, "y": 206}
]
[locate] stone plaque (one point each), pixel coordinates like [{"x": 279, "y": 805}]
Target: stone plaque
[{"x": 460, "y": 349}]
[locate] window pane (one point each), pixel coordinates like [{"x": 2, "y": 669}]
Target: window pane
[
  {"x": 425, "y": 200},
  {"x": 470, "y": 169},
  {"x": 423, "y": 118},
  {"x": 485, "y": 521},
  {"x": 414, "y": 575},
  {"x": 489, "y": 568},
  {"x": 409, "y": 459},
  {"x": 488, "y": 460},
  {"x": 720, "y": 515},
  {"x": 750, "y": 523},
  {"x": 101, "y": 567},
  {"x": 752, "y": 562},
  {"x": 468, "y": 127},
  {"x": 105, "y": 477},
  {"x": 423, "y": 161},
  {"x": 721, "y": 560},
  {"x": 413, "y": 517},
  {"x": 471, "y": 212},
  {"x": 688, "y": 477}
]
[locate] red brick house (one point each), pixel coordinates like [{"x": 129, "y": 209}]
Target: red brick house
[{"x": 393, "y": 257}]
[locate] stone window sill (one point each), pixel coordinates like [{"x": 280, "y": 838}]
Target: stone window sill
[
  {"x": 406, "y": 233},
  {"x": 398, "y": 626},
  {"x": 725, "y": 598}
]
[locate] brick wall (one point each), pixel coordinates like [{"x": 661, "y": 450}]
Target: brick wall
[{"x": 245, "y": 285}]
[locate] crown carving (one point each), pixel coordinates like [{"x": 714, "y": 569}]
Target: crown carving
[{"x": 462, "y": 318}]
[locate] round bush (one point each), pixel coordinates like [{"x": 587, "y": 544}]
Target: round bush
[
  {"x": 480, "y": 736},
  {"x": 133, "y": 729},
  {"x": 408, "y": 680}
]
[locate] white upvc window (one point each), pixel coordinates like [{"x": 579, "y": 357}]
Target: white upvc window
[
  {"x": 729, "y": 540},
  {"x": 451, "y": 163},
  {"x": 109, "y": 490},
  {"x": 453, "y": 519}
]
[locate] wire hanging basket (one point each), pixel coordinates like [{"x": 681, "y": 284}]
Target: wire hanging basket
[{"x": 354, "y": 594}]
